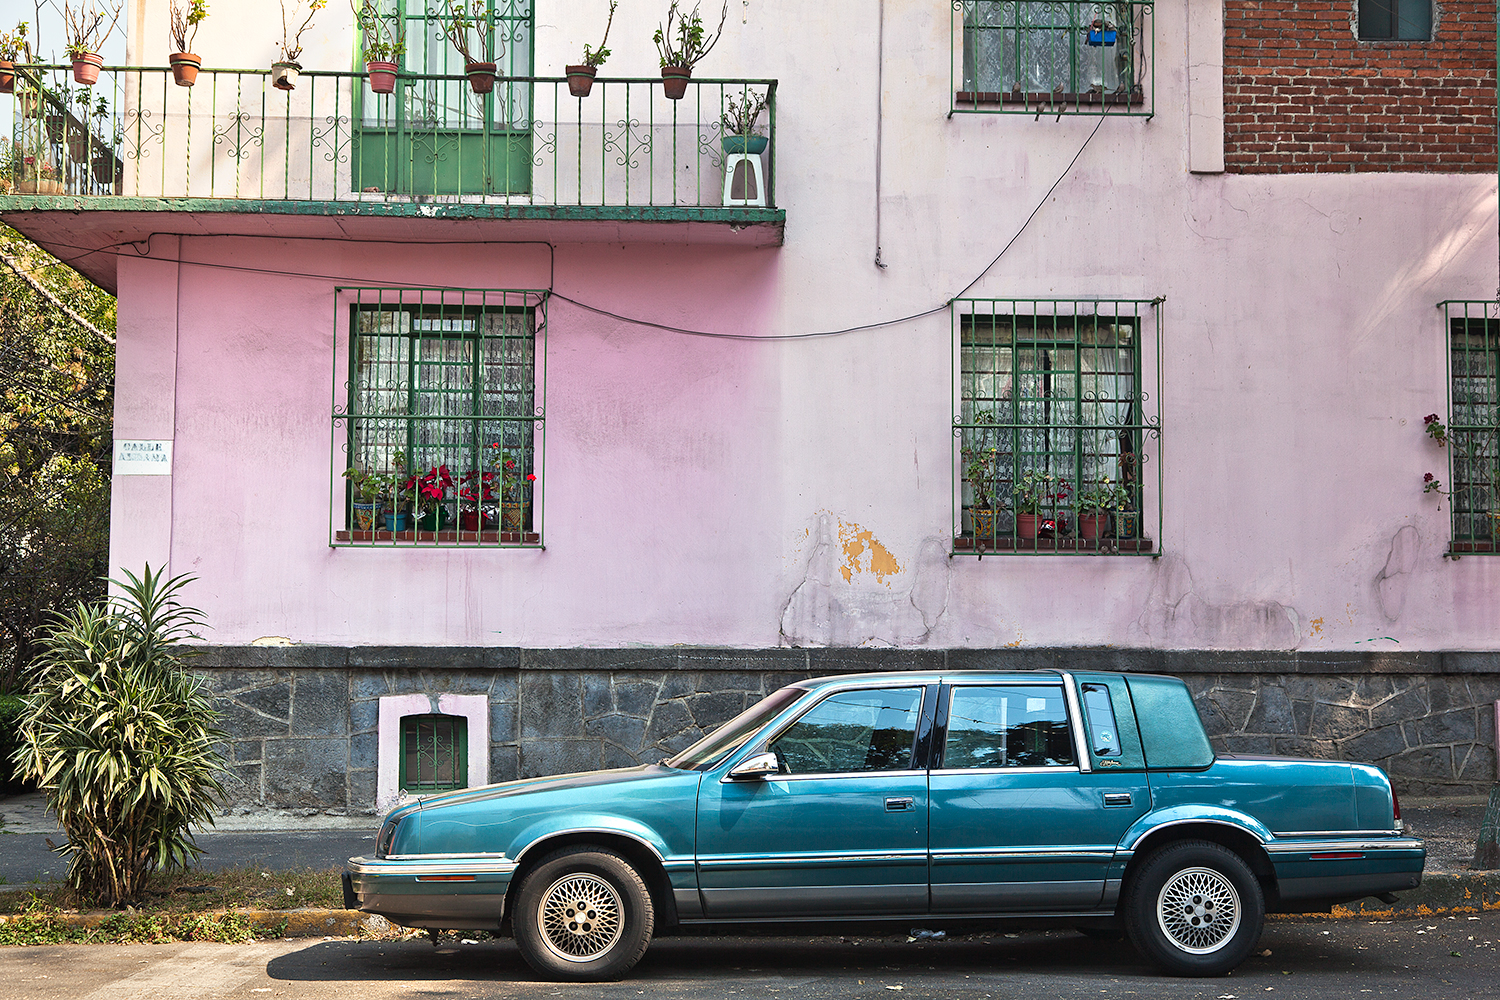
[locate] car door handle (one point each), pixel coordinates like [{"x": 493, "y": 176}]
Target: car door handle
[
  {"x": 1117, "y": 798},
  {"x": 896, "y": 805}
]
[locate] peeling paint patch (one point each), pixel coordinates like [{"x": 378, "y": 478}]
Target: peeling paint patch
[
  {"x": 1317, "y": 626},
  {"x": 863, "y": 553}
]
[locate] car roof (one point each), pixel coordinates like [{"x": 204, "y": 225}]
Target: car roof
[{"x": 911, "y": 677}]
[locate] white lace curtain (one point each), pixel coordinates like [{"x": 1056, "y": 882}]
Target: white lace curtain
[{"x": 1038, "y": 46}]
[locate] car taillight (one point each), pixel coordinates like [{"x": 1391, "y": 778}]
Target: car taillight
[{"x": 383, "y": 841}]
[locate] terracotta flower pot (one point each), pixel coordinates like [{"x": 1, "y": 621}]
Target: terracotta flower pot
[
  {"x": 481, "y": 76},
  {"x": 674, "y": 80},
  {"x": 185, "y": 67},
  {"x": 7, "y": 77},
  {"x": 1092, "y": 525},
  {"x": 86, "y": 68},
  {"x": 1027, "y": 525},
  {"x": 284, "y": 75},
  {"x": 580, "y": 80},
  {"x": 382, "y": 75}
]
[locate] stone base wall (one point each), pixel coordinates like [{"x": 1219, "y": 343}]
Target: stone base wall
[{"x": 303, "y": 720}]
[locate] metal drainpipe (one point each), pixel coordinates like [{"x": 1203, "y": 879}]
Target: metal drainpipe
[{"x": 880, "y": 119}]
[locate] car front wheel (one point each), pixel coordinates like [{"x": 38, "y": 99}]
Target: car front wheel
[
  {"x": 583, "y": 914},
  {"x": 1195, "y": 909}
]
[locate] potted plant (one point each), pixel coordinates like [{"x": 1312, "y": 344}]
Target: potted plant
[
  {"x": 370, "y": 491},
  {"x": 13, "y": 46},
  {"x": 581, "y": 76},
  {"x": 185, "y": 21},
  {"x": 35, "y": 171},
  {"x": 432, "y": 490},
  {"x": 1095, "y": 505},
  {"x": 284, "y": 71},
  {"x": 383, "y": 43},
  {"x": 468, "y": 28},
  {"x": 1037, "y": 492},
  {"x": 741, "y": 133},
  {"x": 1476, "y": 453},
  {"x": 983, "y": 477},
  {"x": 681, "y": 47},
  {"x": 88, "y": 25}
]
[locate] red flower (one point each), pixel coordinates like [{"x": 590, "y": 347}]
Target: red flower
[
  {"x": 1427, "y": 478},
  {"x": 531, "y": 477}
]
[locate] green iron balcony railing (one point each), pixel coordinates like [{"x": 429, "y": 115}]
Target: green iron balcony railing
[
  {"x": 1052, "y": 57},
  {"x": 433, "y": 140}
]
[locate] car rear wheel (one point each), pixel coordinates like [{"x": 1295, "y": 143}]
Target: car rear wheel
[
  {"x": 583, "y": 914},
  {"x": 1195, "y": 908}
]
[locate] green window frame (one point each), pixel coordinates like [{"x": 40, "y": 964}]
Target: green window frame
[
  {"x": 1052, "y": 57},
  {"x": 444, "y": 418},
  {"x": 1473, "y": 451},
  {"x": 1056, "y": 438},
  {"x": 1394, "y": 20},
  {"x": 434, "y": 136},
  {"x": 434, "y": 753}
]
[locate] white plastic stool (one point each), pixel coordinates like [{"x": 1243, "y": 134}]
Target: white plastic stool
[{"x": 744, "y": 180}]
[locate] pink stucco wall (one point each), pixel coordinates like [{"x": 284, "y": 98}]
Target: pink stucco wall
[{"x": 750, "y": 494}]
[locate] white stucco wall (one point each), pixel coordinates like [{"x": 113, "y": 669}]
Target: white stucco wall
[{"x": 718, "y": 492}]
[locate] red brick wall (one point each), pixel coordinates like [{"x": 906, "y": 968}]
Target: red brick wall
[{"x": 1302, "y": 94}]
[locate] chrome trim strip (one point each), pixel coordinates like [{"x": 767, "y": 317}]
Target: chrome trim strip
[
  {"x": 1047, "y": 769},
  {"x": 426, "y": 857},
  {"x": 1102, "y": 853},
  {"x": 833, "y": 774},
  {"x": 812, "y": 860},
  {"x": 1330, "y": 846},
  {"x": 1080, "y": 745},
  {"x": 554, "y": 834},
  {"x": 1210, "y": 821},
  {"x": 1282, "y": 834},
  {"x": 455, "y": 866}
]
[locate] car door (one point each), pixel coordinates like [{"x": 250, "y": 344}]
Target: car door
[
  {"x": 840, "y": 829},
  {"x": 1017, "y": 824}
]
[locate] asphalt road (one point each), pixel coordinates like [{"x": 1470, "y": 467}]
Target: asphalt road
[
  {"x": 1439, "y": 959},
  {"x": 25, "y": 857}
]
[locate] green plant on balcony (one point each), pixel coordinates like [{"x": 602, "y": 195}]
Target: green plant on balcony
[
  {"x": 382, "y": 41},
  {"x": 1097, "y": 503},
  {"x": 468, "y": 28},
  {"x": 740, "y": 122},
  {"x": 285, "y": 70},
  {"x": 185, "y": 19},
  {"x": 1475, "y": 455},
  {"x": 581, "y": 75},
  {"x": 88, "y": 25},
  {"x": 683, "y": 45},
  {"x": 13, "y": 46}
]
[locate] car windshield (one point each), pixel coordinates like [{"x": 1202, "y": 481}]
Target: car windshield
[{"x": 733, "y": 734}]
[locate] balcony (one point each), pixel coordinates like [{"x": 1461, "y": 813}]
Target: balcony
[{"x": 623, "y": 163}]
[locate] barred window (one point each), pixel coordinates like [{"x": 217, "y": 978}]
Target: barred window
[
  {"x": 1061, "y": 56},
  {"x": 1474, "y": 424},
  {"x": 434, "y": 753},
  {"x": 442, "y": 428},
  {"x": 1055, "y": 434}
]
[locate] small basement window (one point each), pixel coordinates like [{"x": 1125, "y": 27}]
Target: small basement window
[
  {"x": 434, "y": 753},
  {"x": 1395, "y": 20}
]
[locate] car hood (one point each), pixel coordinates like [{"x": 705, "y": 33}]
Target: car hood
[{"x": 552, "y": 782}]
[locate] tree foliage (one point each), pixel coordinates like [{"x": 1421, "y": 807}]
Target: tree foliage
[
  {"x": 122, "y": 738},
  {"x": 56, "y": 402}
]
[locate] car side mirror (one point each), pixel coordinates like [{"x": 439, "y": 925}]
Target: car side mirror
[{"x": 755, "y": 767}]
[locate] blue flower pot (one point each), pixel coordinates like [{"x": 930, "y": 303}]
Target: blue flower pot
[
  {"x": 397, "y": 522},
  {"x": 752, "y": 144},
  {"x": 1103, "y": 36}
]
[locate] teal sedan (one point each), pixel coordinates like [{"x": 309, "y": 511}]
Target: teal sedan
[{"x": 1090, "y": 798}]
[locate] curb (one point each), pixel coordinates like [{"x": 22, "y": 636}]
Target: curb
[{"x": 272, "y": 923}]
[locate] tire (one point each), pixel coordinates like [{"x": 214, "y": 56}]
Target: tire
[
  {"x": 1195, "y": 909},
  {"x": 583, "y": 915}
]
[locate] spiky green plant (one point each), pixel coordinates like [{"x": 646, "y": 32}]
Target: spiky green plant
[{"x": 122, "y": 738}]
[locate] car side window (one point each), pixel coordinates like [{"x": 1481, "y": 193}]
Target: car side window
[
  {"x": 851, "y": 731},
  {"x": 1101, "y": 714},
  {"x": 1011, "y": 726}
]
